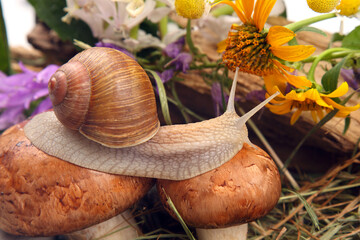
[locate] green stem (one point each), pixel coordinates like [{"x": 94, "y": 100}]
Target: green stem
[
  {"x": 187, "y": 110},
  {"x": 297, "y": 25},
  {"x": 163, "y": 22},
  {"x": 223, "y": 10},
  {"x": 311, "y": 74},
  {"x": 189, "y": 41},
  {"x": 329, "y": 56},
  {"x": 179, "y": 105},
  {"x": 5, "y": 65},
  {"x": 207, "y": 65},
  {"x": 134, "y": 32}
]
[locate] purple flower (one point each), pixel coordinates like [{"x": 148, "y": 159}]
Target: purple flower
[
  {"x": 110, "y": 45},
  {"x": 217, "y": 98},
  {"x": 256, "y": 95},
  {"x": 166, "y": 75},
  {"x": 181, "y": 62},
  {"x": 173, "y": 49},
  {"x": 352, "y": 77},
  {"x": 19, "y": 90}
]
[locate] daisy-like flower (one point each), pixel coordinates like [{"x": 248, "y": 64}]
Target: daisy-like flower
[
  {"x": 255, "y": 51},
  {"x": 305, "y": 99},
  {"x": 107, "y": 18}
]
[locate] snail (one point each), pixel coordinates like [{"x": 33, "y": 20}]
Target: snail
[{"x": 173, "y": 152}]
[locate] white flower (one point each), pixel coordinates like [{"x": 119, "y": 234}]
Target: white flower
[
  {"x": 216, "y": 29},
  {"x": 107, "y": 18}
]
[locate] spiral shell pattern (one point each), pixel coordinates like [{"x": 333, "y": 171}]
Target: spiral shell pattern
[{"x": 107, "y": 96}]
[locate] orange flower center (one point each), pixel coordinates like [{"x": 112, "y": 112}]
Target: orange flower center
[
  {"x": 248, "y": 50},
  {"x": 307, "y": 105}
]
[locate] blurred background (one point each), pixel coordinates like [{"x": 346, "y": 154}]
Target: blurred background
[{"x": 20, "y": 19}]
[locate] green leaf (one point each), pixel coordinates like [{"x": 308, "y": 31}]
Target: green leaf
[
  {"x": 308, "y": 208},
  {"x": 311, "y": 29},
  {"x": 330, "y": 78},
  {"x": 293, "y": 42},
  {"x": 352, "y": 40},
  {"x": 331, "y": 232},
  {"x": 162, "y": 96},
  {"x": 51, "y": 12},
  {"x": 183, "y": 224},
  {"x": 347, "y": 124},
  {"x": 337, "y": 37},
  {"x": 5, "y": 65}
]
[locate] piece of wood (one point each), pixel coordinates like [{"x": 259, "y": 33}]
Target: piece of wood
[{"x": 326, "y": 146}]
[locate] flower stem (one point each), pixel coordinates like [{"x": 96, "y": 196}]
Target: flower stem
[
  {"x": 189, "y": 41},
  {"x": 297, "y": 25},
  {"x": 134, "y": 32},
  {"x": 179, "y": 105},
  {"x": 223, "y": 10},
  {"x": 328, "y": 57},
  {"x": 311, "y": 74},
  {"x": 163, "y": 22}
]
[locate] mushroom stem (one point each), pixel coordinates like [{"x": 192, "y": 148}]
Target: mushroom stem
[
  {"x": 238, "y": 232},
  {"x": 120, "y": 227}
]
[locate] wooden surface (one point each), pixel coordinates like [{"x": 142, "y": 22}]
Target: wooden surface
[{"x": 326, "y": 146}]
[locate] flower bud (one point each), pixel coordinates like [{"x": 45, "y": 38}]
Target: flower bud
[
  {"x": 322, "y": 6},
  {"x": 348, "y": 7},
  {"x": 191, "y": 9}
]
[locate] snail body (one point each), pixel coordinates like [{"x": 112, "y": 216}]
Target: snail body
[{"x": 175, "y": 152}]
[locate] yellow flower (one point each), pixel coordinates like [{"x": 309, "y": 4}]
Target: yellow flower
[
  {"x": 322, "y": 6},
  {"x": 306, "y": 99},
  {"x": 348, "y": 7},
  {"x": 255, "y": 51},
  {"x": 192, "y": 9}
]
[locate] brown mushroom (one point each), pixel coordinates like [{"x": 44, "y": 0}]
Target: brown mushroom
[
  {"x": 220, "y": 202},
  {"x": 41, "y": 195}
]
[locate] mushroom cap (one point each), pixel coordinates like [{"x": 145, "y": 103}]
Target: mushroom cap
[
  {"x": 41, "y": 195},
  {"x": 243, "y": 189}
]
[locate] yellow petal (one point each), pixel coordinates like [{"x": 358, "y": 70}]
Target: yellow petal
[
  {"x": 293, "y": 53},
  {"x": 221, "y": 46},
  {"x": 298, "y": 81},
  {"x": 340, "y": 91},
  {"x": 295, "y": 116},
  {"x": 292, "y": 95},
  {"x": 314, "y": 116},
  {"x": 262, "y": 11},
  {"x": 314, "y": 95},
  {"x": 320, "y": 113},
  {"x": 275, "y": 80},
  {"x": 248, "y": 6},
  {"x": 281, "y": 109},
  {"x": 279, "y": 35},
  {"x": 238, "y": 11},
  {"x": 343, "y": 110}
]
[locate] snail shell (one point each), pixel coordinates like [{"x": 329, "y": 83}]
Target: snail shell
[{"x": 106, "y": 96}]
